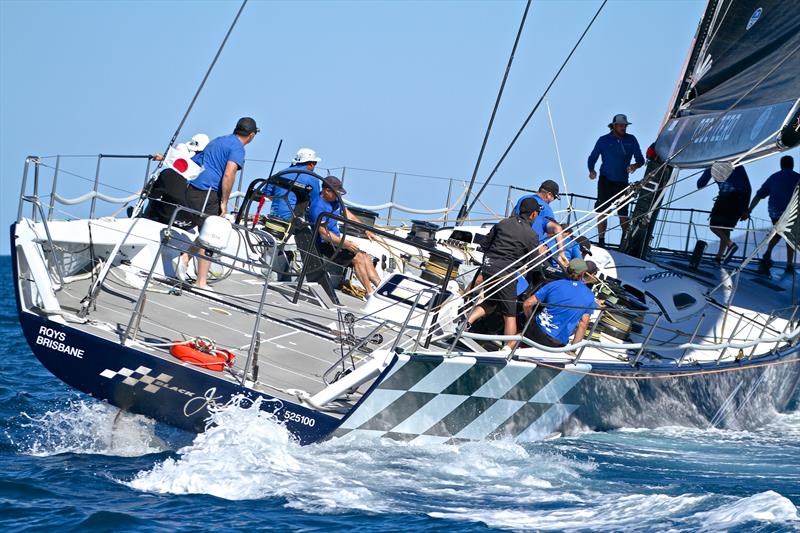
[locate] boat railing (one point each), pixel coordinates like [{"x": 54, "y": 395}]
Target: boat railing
[
  {"x": 260, "y": 267},
  {"x": 65, "y": 182}
]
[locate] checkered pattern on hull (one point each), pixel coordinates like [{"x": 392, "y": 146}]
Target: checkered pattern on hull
[{"x": 432, "y": 399}]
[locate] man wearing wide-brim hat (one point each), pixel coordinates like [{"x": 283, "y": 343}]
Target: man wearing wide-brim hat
[{"x": 616, "y": 148}]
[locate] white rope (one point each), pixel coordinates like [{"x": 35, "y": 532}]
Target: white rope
[{"x": 92, "y": 194}]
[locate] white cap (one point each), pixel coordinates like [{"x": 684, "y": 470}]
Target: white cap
[
  {"x": 306, "y": 155},
  {"x": 198, "y": 143}
]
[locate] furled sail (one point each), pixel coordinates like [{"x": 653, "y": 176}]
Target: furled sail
[{"x": 740, "y": 93}]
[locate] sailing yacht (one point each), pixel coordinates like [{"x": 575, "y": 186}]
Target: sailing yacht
[{"x": 674, "y": 341}]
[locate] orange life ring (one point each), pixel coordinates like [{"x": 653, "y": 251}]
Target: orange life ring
[{"x": 202, "y": 352}]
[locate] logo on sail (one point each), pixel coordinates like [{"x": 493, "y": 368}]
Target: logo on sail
[{"x": 754, "y": 18}]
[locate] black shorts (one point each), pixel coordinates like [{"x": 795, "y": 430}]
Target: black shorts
[
  {"x": 728, "y": 208},
  {"x": 339, "y": 255},
  {"x": 607, "y": 191},
  {"x": 506, "y": 297},
  {"x": 537, "y": 335},
  {"x": 196, "y": 199}
]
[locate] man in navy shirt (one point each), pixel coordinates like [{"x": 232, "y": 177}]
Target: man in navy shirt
[
  {"x": 564, "y": 307},
  {"x": 283, "y": 201},
  {"x": 209, "y": 192},
  {"x": 734, "y": 193},
  {"x": 616, "y": 148},
  {"x": 779, "y": 187},
  {"x": 331, "y": 243},
  {"x": 545, "y": 223}
]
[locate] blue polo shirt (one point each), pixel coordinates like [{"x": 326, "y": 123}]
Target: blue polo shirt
[
  {"x": 560, "y": 322},
  {"x": 545, "y": 215},
  {"x": 571, "y": 249},
  {"x": 779, "y": 187},
  {"x": 736, "y": 182},
  {"x": 215, "y": 158},
  {"x": 616, "y": 153},
  {"x": 319, "y": 206},
  {"x": 280, "y": 207}
]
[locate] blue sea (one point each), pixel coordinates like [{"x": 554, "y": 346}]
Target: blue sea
[{"x": 70, "y": 463}]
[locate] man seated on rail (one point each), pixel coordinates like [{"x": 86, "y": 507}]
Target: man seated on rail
[
  {"x": 332, "y": 244},
  {"x": 562, "y": 307},
  {"x": 508, "y": 241},
  {"x": 169, "y": 189}
]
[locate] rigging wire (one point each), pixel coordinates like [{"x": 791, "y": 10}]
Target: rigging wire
[
  {"x": 535, "y": 108},
  {"x": 203, "y": 82},
  {"x": 462, "y": 213}
]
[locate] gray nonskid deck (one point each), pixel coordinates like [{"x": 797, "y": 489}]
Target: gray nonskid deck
[{"x": 298, "y": 342}]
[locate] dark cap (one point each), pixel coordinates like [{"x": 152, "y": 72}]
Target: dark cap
[
  {"x": 591, "y": 267},
  {"x": 585, "y": 244},
  {"x": 551, "y": 187},
  {"x": 334, "y": 183},
  {"x": 246, "y": 126},
  {"x": 528, "y": 206}
]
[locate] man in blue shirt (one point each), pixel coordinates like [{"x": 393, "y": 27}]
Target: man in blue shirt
[
  {"x": 209, "y": 192},
  {"x": 779, "y": 187},
  {"x": 616, "y": 148},
  {"x": 564, "y": 307},
  {"x": 572, "y": 249},
  {"x": 729, "y": 206},
  {"x": 283, "y": 201},
  {"x": 331, "y": 243},
  {"x": 545, "y": 223}
]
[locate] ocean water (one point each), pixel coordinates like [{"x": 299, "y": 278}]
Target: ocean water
[{"x": 70, "y": 463}]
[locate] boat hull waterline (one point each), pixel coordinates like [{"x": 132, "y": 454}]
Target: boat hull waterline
[{"x": 424, "y": 398}]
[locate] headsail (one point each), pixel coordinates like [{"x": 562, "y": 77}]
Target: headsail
[{"x": 740, "y": 94}]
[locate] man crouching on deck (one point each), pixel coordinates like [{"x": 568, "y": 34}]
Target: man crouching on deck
[
  {"x": 509, "y": 240},
  {"x": 565, "y": 306},
  {"x": 332, "y": 244}
]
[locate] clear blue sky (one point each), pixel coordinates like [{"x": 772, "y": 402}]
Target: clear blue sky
[{"x": 402, "y": 86}]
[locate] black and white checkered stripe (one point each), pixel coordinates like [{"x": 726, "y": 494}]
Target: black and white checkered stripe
[
  {"x": 432, "y": 399},
  {"x": 140, "y": 375}
]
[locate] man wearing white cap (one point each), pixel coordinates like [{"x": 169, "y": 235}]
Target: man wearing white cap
[
  {"x": 169, "y": 189},
  {"x": 617, "y": 148},
  {"x": 283, "y": 201}
]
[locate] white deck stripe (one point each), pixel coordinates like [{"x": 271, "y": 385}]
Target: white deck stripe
[
  {"x": 443, "y": 375},
  {"x": 280, "y": 336},
  {"x": 429, "y": 414},
  {"x": 376, "y": 402},
  {"x": 560, "y": 385},
  {"x": 552, "y": 419},
  {"x": 489, "y": 420},
  {"x": 502, "y": 382}
]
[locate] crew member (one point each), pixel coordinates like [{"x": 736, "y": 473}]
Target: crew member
[
  {"x": 616, "y": 148},
  {"x": 564, "y": 307},
  {"x": 332, "y": 244},
  {"x": 209, "y": 192},
  {"x": 545, "y": 223},
  {"x": 509, "y": 240},
  {"x": 729, "y": 207},
  {"x": 284, "y": 202},
  {"x": 169, "y": 189},
  {"x": 779, "y": 187}
]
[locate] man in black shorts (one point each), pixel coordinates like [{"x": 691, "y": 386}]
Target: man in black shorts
[
  {"x": 729, "y": 206},
  {"x": 617, "y": 148},
  {"x": 509, "y": 240}
]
